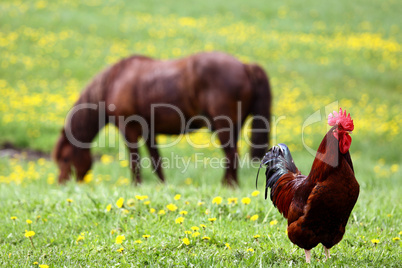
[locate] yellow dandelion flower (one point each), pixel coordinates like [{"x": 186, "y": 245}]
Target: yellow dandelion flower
[
  {"x": 79, "y": 238},
  {"x": 394, "y": 168},
  {"x": 212, "y": 219},
  {"x": 201, "y": 203},
  {"x": 183, "y": 212},
  {"x": 13, "y": 218},
  {"x": 43, "y": 266},
  {"x": 29, "y": 233},
  {"x": 255, "y": 193},
  {"x": 120, "y": 239},
  {"x": 141, "y": 197},
  {"x": 232, "y": 200},
  {"x": 187, "y": 203},
  {"x": 203, "y": 226},
  {"x": 246, "y": 200},
  {"x": 35, "y": 263},
  {"x": 257, "y": 236},
  {"x": 188, "y": 181},
  {"x": 206, "y": 238},
  {"x": 186, "y": 241},
  {"x": 177, "y": 197},
  {"x": 69, "y": 200},
  {"x": 206, "y": 212},
  {"x": 217, "y": 200},
  {"x": 124, "y": 163},
  {"x": 106, "y": 159},
  {"x": 179, "y": 220},
  {"x": 112, "y": 231},
  {"x": 130, "y": 202},
  {"x": 161, "y": 212},
  {"x": 171, "y": 207},
  {"x": 146, "y": 236},
  {"x": 120, "y": 250},
  {"x": 195, "y": 234},
  {"x": 187, "y": 232},
  {"x": 108, "y": 207},
  {"x": 137, "y": 241},
  {"x": 152, "y": 210},
  {"x": 375, "y": 241},
  {"x": 147, "y": 202},
  {"x": 88, "y": 177},
  {"x": 28, "y": 221},
  {"x": 228, "y": 246},
  {"x": 120, "y": 202},
  {"x": 125, "y": 211},
  {"x": 254, "y": 217},
  {"x": 250, "y": 250},
  {"x": 195, "y": 228},
  {"x": 274, "y": 222},
  {"x": 396, "y": 239},
  {"x": 400, "y": 233}
]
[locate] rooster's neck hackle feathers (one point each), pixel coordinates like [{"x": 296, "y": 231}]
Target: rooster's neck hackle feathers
[
  {"x": 328, "y": 157},
  {"x": 282, "y": 176}
]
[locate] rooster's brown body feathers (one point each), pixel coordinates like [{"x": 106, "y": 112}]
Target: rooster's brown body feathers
[{"x": 317, "y": 206}]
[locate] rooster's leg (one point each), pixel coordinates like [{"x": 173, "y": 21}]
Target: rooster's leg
[
  {"x": 308, "y": 255},
  {"x": 327, "y": 255}
]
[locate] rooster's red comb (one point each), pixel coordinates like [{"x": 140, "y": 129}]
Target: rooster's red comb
[{"x": 341, "y": 120}]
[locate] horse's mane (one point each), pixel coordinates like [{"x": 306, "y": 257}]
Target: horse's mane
[
  {"x": 95, "y": 91},
  {"x": 85, "y": 123}
]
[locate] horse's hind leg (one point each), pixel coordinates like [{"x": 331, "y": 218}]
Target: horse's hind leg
[
  {"x": 156, "y": 159},
  {"x": 228, "y": 141}
]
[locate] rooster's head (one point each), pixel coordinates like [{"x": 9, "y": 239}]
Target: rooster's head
[{"x": 344, "y": 128}]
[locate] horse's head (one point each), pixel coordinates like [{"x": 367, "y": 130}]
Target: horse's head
[{"x": 70, "y": 158}]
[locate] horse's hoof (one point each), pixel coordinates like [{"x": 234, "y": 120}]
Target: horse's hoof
[{"x": 230, "y": 184}]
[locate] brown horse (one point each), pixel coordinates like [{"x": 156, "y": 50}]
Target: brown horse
[{"x": 144, "y": 97}]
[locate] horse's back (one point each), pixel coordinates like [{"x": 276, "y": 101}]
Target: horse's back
[{"x": 209, "y": 83}]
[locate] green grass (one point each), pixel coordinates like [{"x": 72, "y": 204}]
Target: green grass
[
  {"x": 377, "y": 215},
  {"x": 314, "y": 53}
]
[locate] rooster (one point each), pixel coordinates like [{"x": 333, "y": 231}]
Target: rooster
[{"x": 316, "y": 206}]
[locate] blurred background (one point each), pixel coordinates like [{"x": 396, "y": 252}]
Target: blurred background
[{"x": 315, "y": 53}]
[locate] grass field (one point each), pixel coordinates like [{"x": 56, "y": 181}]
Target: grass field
[{"x": 318, "y": 55}]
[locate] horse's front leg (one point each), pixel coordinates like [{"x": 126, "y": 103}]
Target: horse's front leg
[
  {"x": 82, "y": 163},
  {"x": 156, "y": 159},
  {"x": 135, "y": 164},
  {"x": 132, "y": 135}
]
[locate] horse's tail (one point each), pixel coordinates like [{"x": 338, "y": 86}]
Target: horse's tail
[{"x": 260, "y": 109}]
